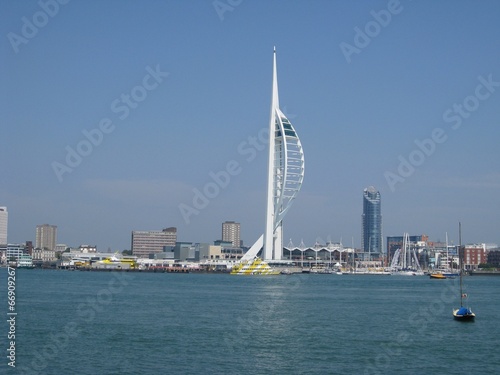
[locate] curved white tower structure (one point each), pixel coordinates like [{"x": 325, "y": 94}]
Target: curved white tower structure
[{"x": 284, "y": 179}]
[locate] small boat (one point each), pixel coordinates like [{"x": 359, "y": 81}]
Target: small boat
[
  {"x": 437, "y": 276},
  {"x": 463, "y": 313}
]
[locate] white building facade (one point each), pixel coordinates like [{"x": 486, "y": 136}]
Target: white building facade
[
  {"x": 46, "y": 237},
  {"x": 4, "y": 219}
]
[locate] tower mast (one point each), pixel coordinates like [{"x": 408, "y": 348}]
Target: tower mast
[{"x": 272, "y": 239}]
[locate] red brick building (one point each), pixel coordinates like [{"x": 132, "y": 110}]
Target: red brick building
[{"x": 474, "y": 255}]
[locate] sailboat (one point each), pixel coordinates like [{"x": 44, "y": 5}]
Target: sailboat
[
  {"x": 445, "y": 273},
  {"x": 405, "y": 260},
  {"x": 463, "y": 313}
]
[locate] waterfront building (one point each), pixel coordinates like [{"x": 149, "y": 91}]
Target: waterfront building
[
  {"x": 46, "y": 237},
  {"x": 223, "y": 243},
  {"x": 232, "y": 253},
  {"x": 330, "y": 253},
  {"x": 168, "y": 253},
  {"x": 148, "y": 243},
  {"x": 43, "y": 255},
  {"x": 28, "y": 248},
  {"x": 220, "y": 251},
  {"x": 88, "y": 248},
  {"x": 284, "y": 177},
  {"x": 441, "y": 255},
  {"x": 206, "y": 252},
  {"x": 61, "y": 247},
  {"x": 474, "y": 255},
  {"x": 184, "y": 251},
  {"x": 14, "y": 252},
  {"x": 231, "y": 233},
  {"x": 371, "y": 223},
  {"x": 4, "y": 219},
  {"x": 494, "y": 257}
]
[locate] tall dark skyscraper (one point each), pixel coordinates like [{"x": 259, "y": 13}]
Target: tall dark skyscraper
[{"x": 371, "y": 236}]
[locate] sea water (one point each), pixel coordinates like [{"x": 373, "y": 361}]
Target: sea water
[{"x": 73, "y": 322}]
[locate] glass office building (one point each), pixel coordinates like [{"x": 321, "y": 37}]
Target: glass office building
[{"x": 371, "y": 236}]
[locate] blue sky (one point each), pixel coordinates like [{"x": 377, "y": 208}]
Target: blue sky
[{"x": 415, "y": 72}]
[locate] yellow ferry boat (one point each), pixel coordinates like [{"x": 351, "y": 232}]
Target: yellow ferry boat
[
  {"x": 115, "y": 262},
  {"x": 253, "y": 267}
]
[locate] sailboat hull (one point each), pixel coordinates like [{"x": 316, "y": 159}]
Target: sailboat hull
[{"x": 467, "y": 316}]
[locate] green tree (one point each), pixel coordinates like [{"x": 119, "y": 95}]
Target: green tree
[{"x": 486, "y": 265}]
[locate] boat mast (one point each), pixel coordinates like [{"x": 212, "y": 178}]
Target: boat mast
[
  {"x": 460, "y": 262},
  {"x": 447, "y": 259},
  {"x": 403, "y": 258},
  {"x": 353, "y": 252}
]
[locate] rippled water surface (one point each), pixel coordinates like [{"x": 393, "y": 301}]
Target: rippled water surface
[{"x": 142, "y": 323}]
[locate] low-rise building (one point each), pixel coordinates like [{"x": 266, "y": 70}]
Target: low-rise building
[
  {"x": 494, "y": 258},
  {"x": 206, "y": 252},
  {"x": 184, "y": 251},
  {"x": 61, "y": 247},
  {"x": 43, "y": 255},
  {"x": 88, "y": 249},
  {"x": 14, "y": 252}
]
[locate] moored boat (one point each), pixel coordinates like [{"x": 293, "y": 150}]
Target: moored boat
[
  {"x": 25, "y": 261},
  {"x": 463, "y": 313},
  {"x": 253, "y": 267},
  {"x": 437, "y": 276}
]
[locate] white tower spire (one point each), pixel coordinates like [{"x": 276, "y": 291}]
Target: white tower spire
[
  {"x": 271, "y": 239},
  {"x": 284, "y": 177}
]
